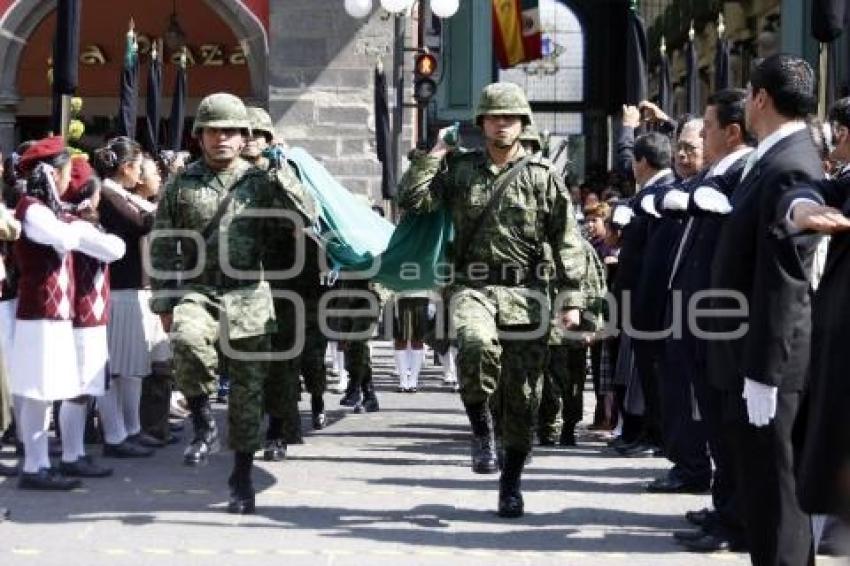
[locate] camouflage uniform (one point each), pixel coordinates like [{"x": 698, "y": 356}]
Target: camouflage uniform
[
  {"x": 283, "y": 388},
  {"x": 561, "y": 407},
  {"x": 190, "y": 201},
  {"x": 534, "y": 218},
  {"x": 360, "y": 392}
]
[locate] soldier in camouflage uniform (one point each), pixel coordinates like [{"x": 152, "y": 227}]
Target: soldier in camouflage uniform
[
  {"x": 208, "y": 304},
  {"x": 530, "y": 139},
  {"x": 360, "y": 392},
  {"x": 262, "y": 136},
  {"x": 561, "y": 406},
  {"x": 283, "y": 386},
  {"x": 496, "y": 286}
]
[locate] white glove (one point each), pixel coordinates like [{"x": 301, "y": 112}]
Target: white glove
[
  {"x": 432, "y": 311},
  {"x": 709, "y": 199},
  {"x": 675, "y": 200},
  {"x": 622, "y": 215},
  {"x": 647, "y": 204},
  {"x": 761, "y": 402}
]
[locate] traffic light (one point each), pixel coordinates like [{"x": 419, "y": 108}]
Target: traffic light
[{"x": 424, "y": 85}]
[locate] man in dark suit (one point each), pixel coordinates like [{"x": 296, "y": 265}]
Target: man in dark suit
[
  {"x": 825, "y": 462},
  {"x": 726, "y": 147},
  {"x": 758, "y": 356},
  {"x": 651, "y": 167}
]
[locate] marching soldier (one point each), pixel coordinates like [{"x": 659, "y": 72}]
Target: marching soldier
[
  {"x": 221, "y": 298},
  {"x": 510, "y": 211}
]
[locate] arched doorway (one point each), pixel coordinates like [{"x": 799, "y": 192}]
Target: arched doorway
[{"x": 25, "y": 18}]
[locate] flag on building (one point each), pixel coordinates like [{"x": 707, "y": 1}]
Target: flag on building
[
  {"x": 517, "y": 33},
  {"x": 665, "y": 90},
  {"x": 721, "y": 64},
  {"x": 828, "y": 19},
  {"x": 383, "y": 138},
  {"x": 178, "y": 107},
  {"x": 692, "y": 101},
  {"x": 129, "y": 87},
  {"x": 636, "y": 56},
  {"x": 66, "y": 54},
  {"x": 153, "y": 101}
]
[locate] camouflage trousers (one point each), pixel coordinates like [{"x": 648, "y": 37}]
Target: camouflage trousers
[
  {"x": 283, "y": 386},
  {"x": 194, "y": 339},
  {"x": 507, "y": 374},
  {"x": 563, "y": 387}
]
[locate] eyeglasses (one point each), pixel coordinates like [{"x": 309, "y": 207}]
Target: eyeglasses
[{"x": 688, "y": 148}]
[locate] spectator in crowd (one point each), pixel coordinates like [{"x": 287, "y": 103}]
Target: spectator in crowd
[{"x": 130, "y": 217}]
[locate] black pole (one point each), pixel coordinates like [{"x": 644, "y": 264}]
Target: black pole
[{"x": 398, "y": 111}]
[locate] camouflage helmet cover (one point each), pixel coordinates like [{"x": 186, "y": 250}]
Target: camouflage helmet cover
[
  {"x": 529, "y": 135},
  {"x": 221, "y": 110},
  {"x": 503, "y": 99},
  {"x": 261, "y": 122}
]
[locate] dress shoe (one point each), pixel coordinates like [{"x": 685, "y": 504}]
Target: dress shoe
[
  {"x": 546, "y": 440},
  {"x": 639, "y": 449},
  {"x": 274, "y": 450},
  {"x": 689, "y": 535},
  {"x": 47, "y": 480},
  {"x": 4, "y": 514},
  {"x": 8, "y": 471},
  {"x": 700, "y": 517},
  {"x": 146, "y": 440},
  {"x": 84, "y": 467},
  {"x": 126, "y": 449},
  {"x": 666, "y": 484},
  {"x": 714, "y": 542},
  {"x": 568, "y": 438}
]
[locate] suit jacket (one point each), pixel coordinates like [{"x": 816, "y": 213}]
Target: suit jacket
[
  {"x": 826, "y": 448},
  {"x": 769, "y": 271},
  {"x": 632, "y": 252}
]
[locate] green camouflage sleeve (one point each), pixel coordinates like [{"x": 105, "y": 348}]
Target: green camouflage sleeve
[
  {"x": 423, "y": 185},
  {"x": 566, "y": 242},
  {"x": 164, "y": 252},
  {"x": 289, "y": 193}
]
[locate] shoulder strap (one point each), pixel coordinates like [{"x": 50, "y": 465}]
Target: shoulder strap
[
  {"x": 214, "y": 222},
  {"x": 498, "y": 190}
]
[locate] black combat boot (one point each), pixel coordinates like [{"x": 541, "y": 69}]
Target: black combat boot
[
  {"x": 370, "y": 400},
  {"x": 352, "y": 396},
  {"x": 205, "y": 441},
  {"x": 274, "y": 449},
  {"x": 483, "y": 440},
  {"x": 510, "y": 498},
  {"x": 242, "y": 499},
  {"x": 317, "y": 404}
]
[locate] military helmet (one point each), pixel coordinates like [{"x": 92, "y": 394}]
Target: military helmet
[
  {"x": 261, "y": 122},
  {"x": 221, "y": 110},
  {"x": 505, "y": 99},
  {"x": 530, "y": 136}
]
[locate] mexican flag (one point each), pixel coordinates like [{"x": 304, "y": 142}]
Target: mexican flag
[{"x": 516, "y": 31}]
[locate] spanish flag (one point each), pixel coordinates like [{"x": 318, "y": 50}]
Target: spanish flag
[{"x": 516, "y": 31}]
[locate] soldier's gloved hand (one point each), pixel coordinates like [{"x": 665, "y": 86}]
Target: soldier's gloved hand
[
  {"x": 274, "y": 154},
  {"x": 675, "y": 201},
  {"x": 709, "y": 199},
  {"x": 647, "y": 204}
]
